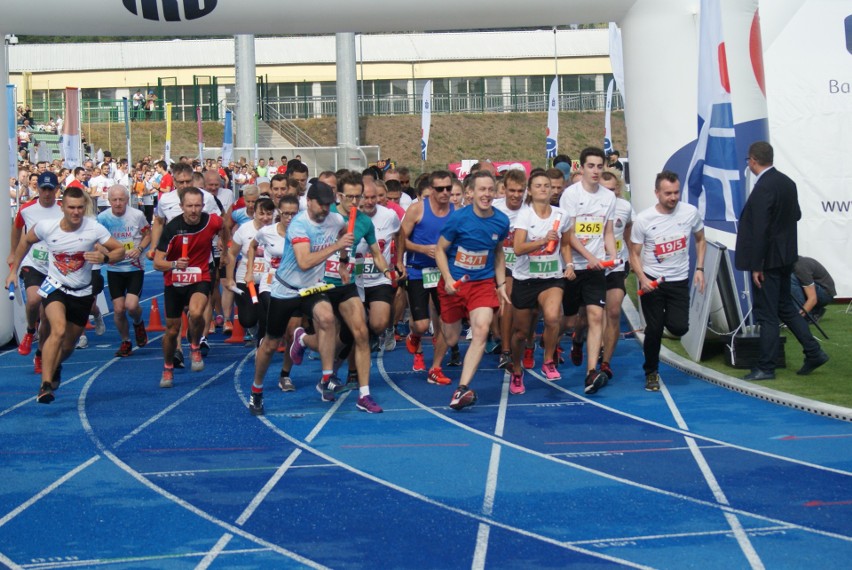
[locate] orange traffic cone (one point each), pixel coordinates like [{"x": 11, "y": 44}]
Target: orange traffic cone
[
  {"x": 155, "y": 323},
  {"x": 239, "y": 334}
]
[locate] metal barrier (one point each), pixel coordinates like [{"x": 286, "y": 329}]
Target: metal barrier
[{"x": 317, "y": 158}]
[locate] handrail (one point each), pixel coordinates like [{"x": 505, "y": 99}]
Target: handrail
[{"x": 287, "y": 128}]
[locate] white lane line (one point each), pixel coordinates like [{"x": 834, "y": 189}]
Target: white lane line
[
  {"x": 133, "y": 559},
  {"x": 169, "y": 408},
  {"x": 9, "y": 562},
  {"x": 90, "y": 432},
  {"x": 736, "y": 526},
  {"x": 482, "y": 534},
  {"x": 46, "y": 491},
  {"x": 267, "y": 488},
  {"x": 192, "y": 472},
  {"x": 214, "y": 552},
  {"x": 32, "y": 399},
  {"x": 674, "y": 535}
]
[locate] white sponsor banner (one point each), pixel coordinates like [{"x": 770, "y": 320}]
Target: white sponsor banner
[{"x": 810, "y": 122}]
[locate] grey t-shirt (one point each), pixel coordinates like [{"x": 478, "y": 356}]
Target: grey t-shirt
[{"x": 809, "y": 271}]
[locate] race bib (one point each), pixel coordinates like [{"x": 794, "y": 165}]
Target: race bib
[
  {"x": 332, "y": 268},
  {"x": 258, "y": 267},
  {"x": 509, "y": 255},
  {"x": 471, "y": 260},
  {"x": 545, "y": 266},
  {"x": 431, "y": 276},
  {"x": 587, "y": 227},
  {"x": 184, "y": 277},
  {"x": 366, "y": 267},
  {"x": 40, "y": 254},
  {"x": 619, "y": 245},
  {"x": 665, "y": 247},
  {"x": 128, "y": 245},
  {"x": 48, "y": 286}
]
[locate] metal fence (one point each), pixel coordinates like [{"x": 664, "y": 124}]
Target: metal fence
[{"x": 317, "y": 158}]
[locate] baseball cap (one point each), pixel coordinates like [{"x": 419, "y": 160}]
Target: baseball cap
[
  {"x": 322, "y": 193},
  {"x": 48, "y": 179},
  {"x": 565, "y": 167}
]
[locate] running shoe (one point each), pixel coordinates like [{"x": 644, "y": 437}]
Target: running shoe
[
  {"x": 492, "y": 346},
  {"x": 204, "y": 346},
  {"x": 390, "y": 341},
  {"x": 297, "y": 351},
  {"x": 505, "y": 361},
  {"x": 57, "y": 378},
  {"x": 337, "y": 385},
  {"x": 100, "y": 325},
  {"x": 82, "y": 342},
  {"x": 197, "y": 360},
  {"x": 436, "y": 376},
  {"x": 468, "y": 335},
  {"x": 550, "y": 371},
  {"x": 462, "y": 398},
  {"x": 256, "y": 404},
  {"x": 419, "y": 364},
  {"x": 227, "y": 328},
  {"x": 45, "y": 394},
  {"x": 516, "y": 384},
  {"x": 368, "y": 404},
  {"x": 37, "y": 362},
  {"x": 576, "y": 352},
  {"x": 326, "y": 394},
  {"x": 412, "y": 343},
  {"x": 606, "y": 369},
  {"x": 529, "y": 358},
  {"x": 220, "y": 320},
  {"x": 455, "y": 356},
  {"x": 652, "y": 382},
  {"x": 595, "y": 380},
  {"x": 168, "y": 378},
  {"x": 126, "y": 349},
  {"x": 26, "y": 345},
  {"x": 375, "y": 343},
  {"x": 351, "y": 381},
  {"x": 212, "y": 328},
  {"x": 141, "y": 334},
  {"x": 286, "y": 384},
  {"x": 177, "y": 361}
]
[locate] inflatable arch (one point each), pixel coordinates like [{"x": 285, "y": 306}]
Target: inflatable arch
[{"x": 660, "y": 47}]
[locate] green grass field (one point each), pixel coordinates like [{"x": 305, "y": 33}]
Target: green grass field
[{"x": 831, "y": 383}]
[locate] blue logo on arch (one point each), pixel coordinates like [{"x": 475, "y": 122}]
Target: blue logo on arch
[
  {"x": 192, "y": 9},
  {"x": 849, "y": 33}
]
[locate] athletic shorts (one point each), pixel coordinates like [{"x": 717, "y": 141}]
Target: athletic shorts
[
  {"x": 282, "y": 310},
  {"x": 379, "y": 294},
  {"x": 123, "y": 283},
  {"x": 418, "y": 299},
  {"x": 589, "y": 288},
  {"x": 32, "y": 277},
  {"x": 615, "y": 280},
  {"x": 469, "y": 296},
  {"x": 525, "y": 292},
  {"x": 340, "y": 294},
  {"x": 97, "y": 282},
  {"x": 176, "y": 298},
  {"x": 76, "y": 308}
]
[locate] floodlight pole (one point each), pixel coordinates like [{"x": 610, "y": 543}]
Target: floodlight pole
[{"x": 246, "y": 90}]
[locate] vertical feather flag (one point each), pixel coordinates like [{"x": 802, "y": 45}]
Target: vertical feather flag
[
  {"x": 713, "y": 179},
  {"x": 11, "y": 118},
  {"x": 70, "y": 141},
  {"x": 200, "y": 136},
  {"x": 552, "y": 138},
  {"x": 127, "y": 130},
  {"x": 228, "y": 139},
  {"x": 608, "y": 118},
  {"x": 425, "y": 120}
]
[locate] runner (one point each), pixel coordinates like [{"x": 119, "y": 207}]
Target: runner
[
  {"x": 541, "y": 244},
  {"x": 591, "y": 209},
  {"x": 420, "y": 232},
  {"x": 659, "y": 248},
  {"x": 66, "y": 292},
  {"x": 471, "y": 247},
  {"x": 35, "y": 265},
  {"x": 125, "y": 277},
  {"x": 183, "y": 254}
]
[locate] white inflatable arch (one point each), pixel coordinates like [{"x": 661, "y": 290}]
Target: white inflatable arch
[{"x": 660, "y": 46}]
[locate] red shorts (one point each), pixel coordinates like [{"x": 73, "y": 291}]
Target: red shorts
[{"x": 469, "y": 296}]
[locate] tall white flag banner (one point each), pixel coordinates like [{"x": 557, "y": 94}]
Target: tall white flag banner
[
  {"x": 616, "y": 59},
  {"x": 714, "y": 184},
  {"x": 608, "y": 118},
  {"x": 425, "y": 120},
  {"x": 11, "y": 118},
  {"x": 167, "y": 155},
  {"x": 228, "y": 139},
  {"x": 70, "y": 140},
  {"x": 551, "y": 140}
]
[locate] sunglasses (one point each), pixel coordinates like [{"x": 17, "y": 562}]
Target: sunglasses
[{"x": 442, "y": 188}]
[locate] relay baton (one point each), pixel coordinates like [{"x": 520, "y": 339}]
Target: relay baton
[
  {"x": 611, "y": 263},
  {"x": 12, "y": 291},
  {"x": 551, "y": 245},
  {"x": 654, "y": 284},
  {"x": 464, "y": 279},
  {"x": 353, "y": 212},
  {"x": 184, "y": 251},
  {"x": 252, "y": 292}
]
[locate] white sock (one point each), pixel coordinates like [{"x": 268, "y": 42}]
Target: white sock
[{"x": 363, "y": 391}]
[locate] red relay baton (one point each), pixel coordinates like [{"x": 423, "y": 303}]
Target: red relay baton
[
  {"x": 353, "y": 212},
  {"x": 184, "y": 249},
  {"x": 551, "y": 245},
  {"x": 654, "y": 284},
  {"x": 611, "y": 263},
  {"x": 252, "y": 292},
  {"x": 464, "y": 279}
]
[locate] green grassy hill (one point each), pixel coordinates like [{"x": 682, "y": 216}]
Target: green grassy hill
[{"x": 496, "y": 136}]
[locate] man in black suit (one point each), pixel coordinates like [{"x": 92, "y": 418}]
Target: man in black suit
[{"x": 767, "y": 246}]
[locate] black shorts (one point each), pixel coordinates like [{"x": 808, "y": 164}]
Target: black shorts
[
  {"x": 176, "y": 298},
  {"x": 418, "y": 299},
  {"x": 615, "y": 280},
  {"x": 76, "y": 308},
  {"x": 525, "y": 292},
  {"x": 340, "y": 294},
  {"x": 589, "y": 288},
  {"x": 32, "y": 277},
  {"x": 217, "y": 270},
  {"x": 379, "y": 294},
  {"x": 282, "y": 310},
  {"x": 97, "y": 282},
  {"x": 123, "y": 283}
]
